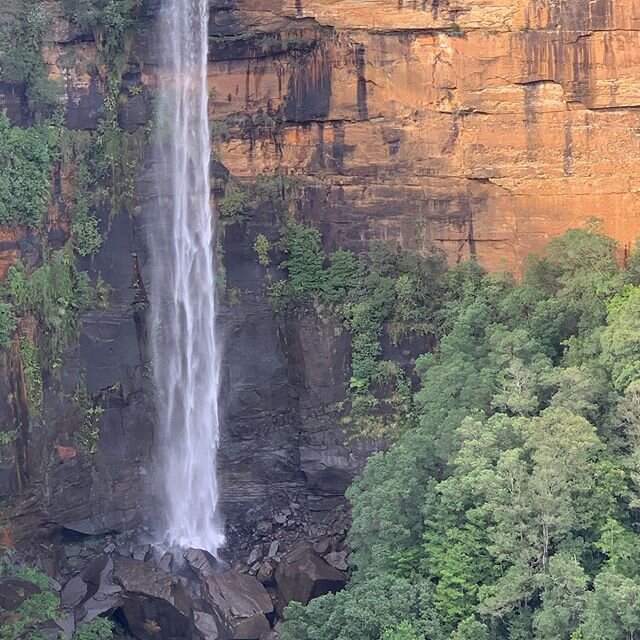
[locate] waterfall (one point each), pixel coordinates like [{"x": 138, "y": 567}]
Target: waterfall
[{"x": 182, "y": 292}]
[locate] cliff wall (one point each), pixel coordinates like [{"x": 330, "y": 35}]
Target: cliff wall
[{"x": 485, "y": 127}]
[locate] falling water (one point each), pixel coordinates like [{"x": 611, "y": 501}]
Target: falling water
[{"x": 185, "y": 357}]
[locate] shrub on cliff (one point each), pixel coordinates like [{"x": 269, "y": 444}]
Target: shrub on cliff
[{"x": 26, "y": 162}]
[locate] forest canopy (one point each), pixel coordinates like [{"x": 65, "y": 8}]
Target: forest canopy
[{"x": 509, "y": 508}]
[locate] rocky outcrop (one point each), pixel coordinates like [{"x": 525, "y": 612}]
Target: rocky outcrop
[
  {"x": 199, "y": 599},
  {"x": 153, "y": 602}
]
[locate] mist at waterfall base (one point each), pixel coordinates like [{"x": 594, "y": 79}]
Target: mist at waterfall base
[{"x": 182, "y": 295}]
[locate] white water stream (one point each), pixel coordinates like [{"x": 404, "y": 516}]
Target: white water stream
[{"x": 182, "y": 296}]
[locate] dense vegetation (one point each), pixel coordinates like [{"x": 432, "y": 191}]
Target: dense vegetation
[
  {"x": 387, "y": 292},
  {"x": 508, "y": 507},
  {"x": 42, "y": 299},
  {"x": 44, "y": 605}
]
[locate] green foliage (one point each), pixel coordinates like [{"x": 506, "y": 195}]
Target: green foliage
[
  {"x": 508, "y": 505},
  {"x": 117, "y": 154},
  {"x": 613, "y": 608},
  {"x": 233, "y": 206},
  {"x": 363, "y": 612},
  {"x": 262, "y": 246},
  {"x": 32, "y": 375},
  {"x": 392, "y": 291},
  {"x": 25, "y": 621},
  {"x": 620, "y": 340},
  {"x": 84, "y": 225},
  {"x": 112, "y": 158},
  {"x": 26, "y": 162},
  {"x": 30, "y": 574},
  {"x": 25, "y": 23},
  {"x": 55, "y": 294},
  {"x": 304, "y": 264},
  {"x": 113, "y": 23},
  {"x": 7, "y": 324},
  {"x": 97, "y": 629},
  {"x": 88, "y": 436}
]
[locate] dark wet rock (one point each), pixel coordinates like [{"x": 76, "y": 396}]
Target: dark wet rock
[
  {"x": 142, "y": 552},
  {"x": 13, "y": 100},
  {"x": 272, "y": 635},
  {"x": 124, "y": 549},
  {"x": 266, "y": 571},
  {"x": 74, "y": 592},
  {"x": 302, "y": 576},
  {"x": 154, "y": 603},
  {"x": 8, "y": 479},
  {"x": 202, "y": 562},
  {"x": 84, "y": 105},
  {"x": 322, "y": 546},
  {"x": 241, "y": 602},
  {"x": 255, "y": 555},
  {"x": 14, "y": 591},
  {"x": 48, "y": 630},
  {"x": 66, "y": 624},
  {"x": 104, "y": 596}
]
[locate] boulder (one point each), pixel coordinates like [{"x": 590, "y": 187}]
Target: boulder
[
  {"x": 266, "y": 570},
  {"x": 14, "y": 591},
  {"x": 206, "y": 625},
  {"x": 241, "y": 603},
  {"x": 154, "y": 603},
  {"x": 102, "y": 595},
  {"x": 302, "y": 576},
  {"x": 67, "y": 624},
  {"x": 142, "y": 552},
  {"x": 338, "y": 560},
  {"x": 202, "y": 562},
  {"x": 166, "y": 562},
  {"x": 74, "y": 592},
  {"x": 255, "y": 555}
]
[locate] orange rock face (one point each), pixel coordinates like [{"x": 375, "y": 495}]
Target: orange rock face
[{"x": 485, "y": 126}]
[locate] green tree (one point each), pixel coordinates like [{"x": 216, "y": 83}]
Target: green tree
[
  {"x": 620, "y": 340},
  {"x": 564, "y": 589},
  {"x": 613, "y": 609},
  {"x": 470, "y": 629}
]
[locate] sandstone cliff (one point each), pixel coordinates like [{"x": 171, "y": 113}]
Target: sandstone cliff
[{"x": 486, "y": 126}]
